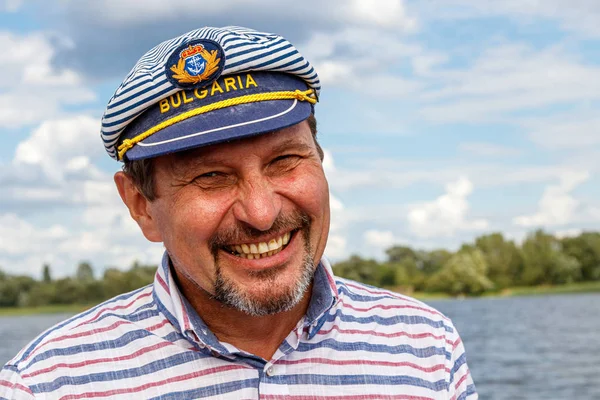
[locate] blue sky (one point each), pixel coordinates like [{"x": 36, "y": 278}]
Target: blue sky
[{"x": 442, "y": 120}]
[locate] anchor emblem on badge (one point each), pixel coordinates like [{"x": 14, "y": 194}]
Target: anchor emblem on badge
[{"x": 198, "y": 62}]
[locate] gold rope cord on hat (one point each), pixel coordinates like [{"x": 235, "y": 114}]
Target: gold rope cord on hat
[{"x": 307, "y": 95}]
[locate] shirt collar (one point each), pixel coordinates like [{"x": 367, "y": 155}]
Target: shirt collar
[{"x": 183, "y": 316}]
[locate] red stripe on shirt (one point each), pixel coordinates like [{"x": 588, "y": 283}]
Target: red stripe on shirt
[
  {"x": 197, "y": 374},
  {"x": 394, "y": 295},
  {"x": 380, "y": 292},
  {"x": 461, "y": 380},
  {"x": 382, "y": 334},
  {"x": 391, "y": 307},
  {"x": 319, "y": 360},
  {"x": 162, "y": 282},
  {"x": 98, "y": 360},
  {"x": 456, "y": 342},
  {"x": 347, "y": 397},
  {"x": 102, "y": 311},
  {"x": 83, "y": 334},
  {"x": 11, "y": 385}
]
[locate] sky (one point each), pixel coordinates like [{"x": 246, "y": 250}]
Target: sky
[{"x": 442, "y": 120}]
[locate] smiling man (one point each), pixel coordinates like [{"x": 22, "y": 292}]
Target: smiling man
[{"x": 217, "y": 133}]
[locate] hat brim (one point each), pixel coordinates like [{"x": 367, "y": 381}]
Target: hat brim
[{"x": 241, "y": 121}]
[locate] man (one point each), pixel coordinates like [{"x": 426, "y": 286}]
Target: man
[{"x": 222, "y": 165}]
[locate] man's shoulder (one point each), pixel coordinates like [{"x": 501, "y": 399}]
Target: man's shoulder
[
  {"x": 369, "y": 301},
  {"x": 89, "y": 329}
]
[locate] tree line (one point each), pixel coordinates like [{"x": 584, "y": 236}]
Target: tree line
[
  {"x": 490, "y": 264},
  {"x": 82, "y": 288}
]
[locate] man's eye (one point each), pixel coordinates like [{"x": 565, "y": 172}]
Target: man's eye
[
  {"x": 286, "y": 158},
  {"x": 212, "y": 174}
]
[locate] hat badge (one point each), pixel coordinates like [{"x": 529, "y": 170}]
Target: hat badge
[{"x": 196, "y": 64}]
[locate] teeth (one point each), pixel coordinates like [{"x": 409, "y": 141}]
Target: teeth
[
  {"x": 255, "y": 251},
  {"x": 263, "y": 247},
  {"x": 273, "y": 244}
]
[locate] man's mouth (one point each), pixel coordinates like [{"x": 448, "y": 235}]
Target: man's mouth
[{"x": 258, "y": 250}]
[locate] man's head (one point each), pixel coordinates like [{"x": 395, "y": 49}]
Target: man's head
[{"x": 222, "y": 165}]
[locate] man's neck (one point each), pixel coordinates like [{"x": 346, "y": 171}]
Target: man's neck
[{"x": 260, "y": 336}]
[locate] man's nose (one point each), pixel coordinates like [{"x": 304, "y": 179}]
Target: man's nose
[{"x": 258, "y": 204}]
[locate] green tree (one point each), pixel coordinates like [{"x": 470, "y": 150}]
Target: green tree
[
  {"x": 68, "y": 291},
  {"x": 84, "y": 273},
  {"x": 114, "y": 282},
  {"x": 358, "y": 269},
  {"x": 46, "y": 274},
  {"x": 585, "y": 248},
  {"x": 13, "y": 288},
  {"x": 140, "y": 275},
  {"x": 546, "y": 263},
  {"x": 504, "y": 259},
  {"x": 40, "y": 295},
  {"x": 464, "y": 273},
  {"x": 399, "y": 254},
  {"x": 428, "y": 262}
]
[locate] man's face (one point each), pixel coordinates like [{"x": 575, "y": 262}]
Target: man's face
[{"x": 245, "y": 221}]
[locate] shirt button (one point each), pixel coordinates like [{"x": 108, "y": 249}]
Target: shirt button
[{"x": 270, "y": 371}]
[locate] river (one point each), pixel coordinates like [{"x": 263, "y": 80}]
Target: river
[{"x": 529, "y": 348}]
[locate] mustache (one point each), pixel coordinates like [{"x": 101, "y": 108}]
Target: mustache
[{"x": 244, "y": 233}]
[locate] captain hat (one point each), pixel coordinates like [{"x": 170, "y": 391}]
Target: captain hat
[{"x": 208, "y": 86}]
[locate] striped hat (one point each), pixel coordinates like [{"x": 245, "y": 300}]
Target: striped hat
[{"x": 208, "y": 86}]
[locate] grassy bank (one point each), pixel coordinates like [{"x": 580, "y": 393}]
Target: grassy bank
[
  {"x": 52, "y": 309},
  {"x": 585, "y": 287}
]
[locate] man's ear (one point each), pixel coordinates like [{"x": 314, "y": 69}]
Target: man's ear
[{"x": 138, "y": 205}]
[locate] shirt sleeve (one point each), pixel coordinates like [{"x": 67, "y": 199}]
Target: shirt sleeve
[
  {"x": 461, "y": 386},
  {"x": 12, "y": 386}
]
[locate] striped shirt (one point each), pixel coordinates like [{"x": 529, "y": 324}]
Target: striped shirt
[{"x": 355, "y": 342}]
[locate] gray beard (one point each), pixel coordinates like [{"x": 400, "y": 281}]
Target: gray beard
[{"x": 234, "y": 296}]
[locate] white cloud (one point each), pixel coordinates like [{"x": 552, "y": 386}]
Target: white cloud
[
  {"x": 359, "y": 58},
  {"x": 64, "y": 247},
  {"x": 564, "y": 131},
  {"x": 447, "y": 214},
  {"x": 336, "y": 242},
  {"x": 380, "y": 239},
  {"x": 579, "y": 16},
  {"x": 62, "y": 146},
  {"x": 557, "y": 206},
  {"x": 567, "y": 233},
  {"x": 388, "y": 13},
  {"x": 510, "y": 77},
  {"x": 489, "y": 149},
  {"x": 10, "y": 5},
  {"x": 34, "y": 90}
]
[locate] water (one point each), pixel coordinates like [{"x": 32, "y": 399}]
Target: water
[
  {"x": 16, "y": 332},
  {"x": 531, "y": 347},
  {"x": 518, "y": 348}
]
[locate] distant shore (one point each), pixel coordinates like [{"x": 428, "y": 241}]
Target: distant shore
[
  {"x": 52, "y": 309},
  {"x": 570, "y": 288},
  {"x": 584, "y": 287}
]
